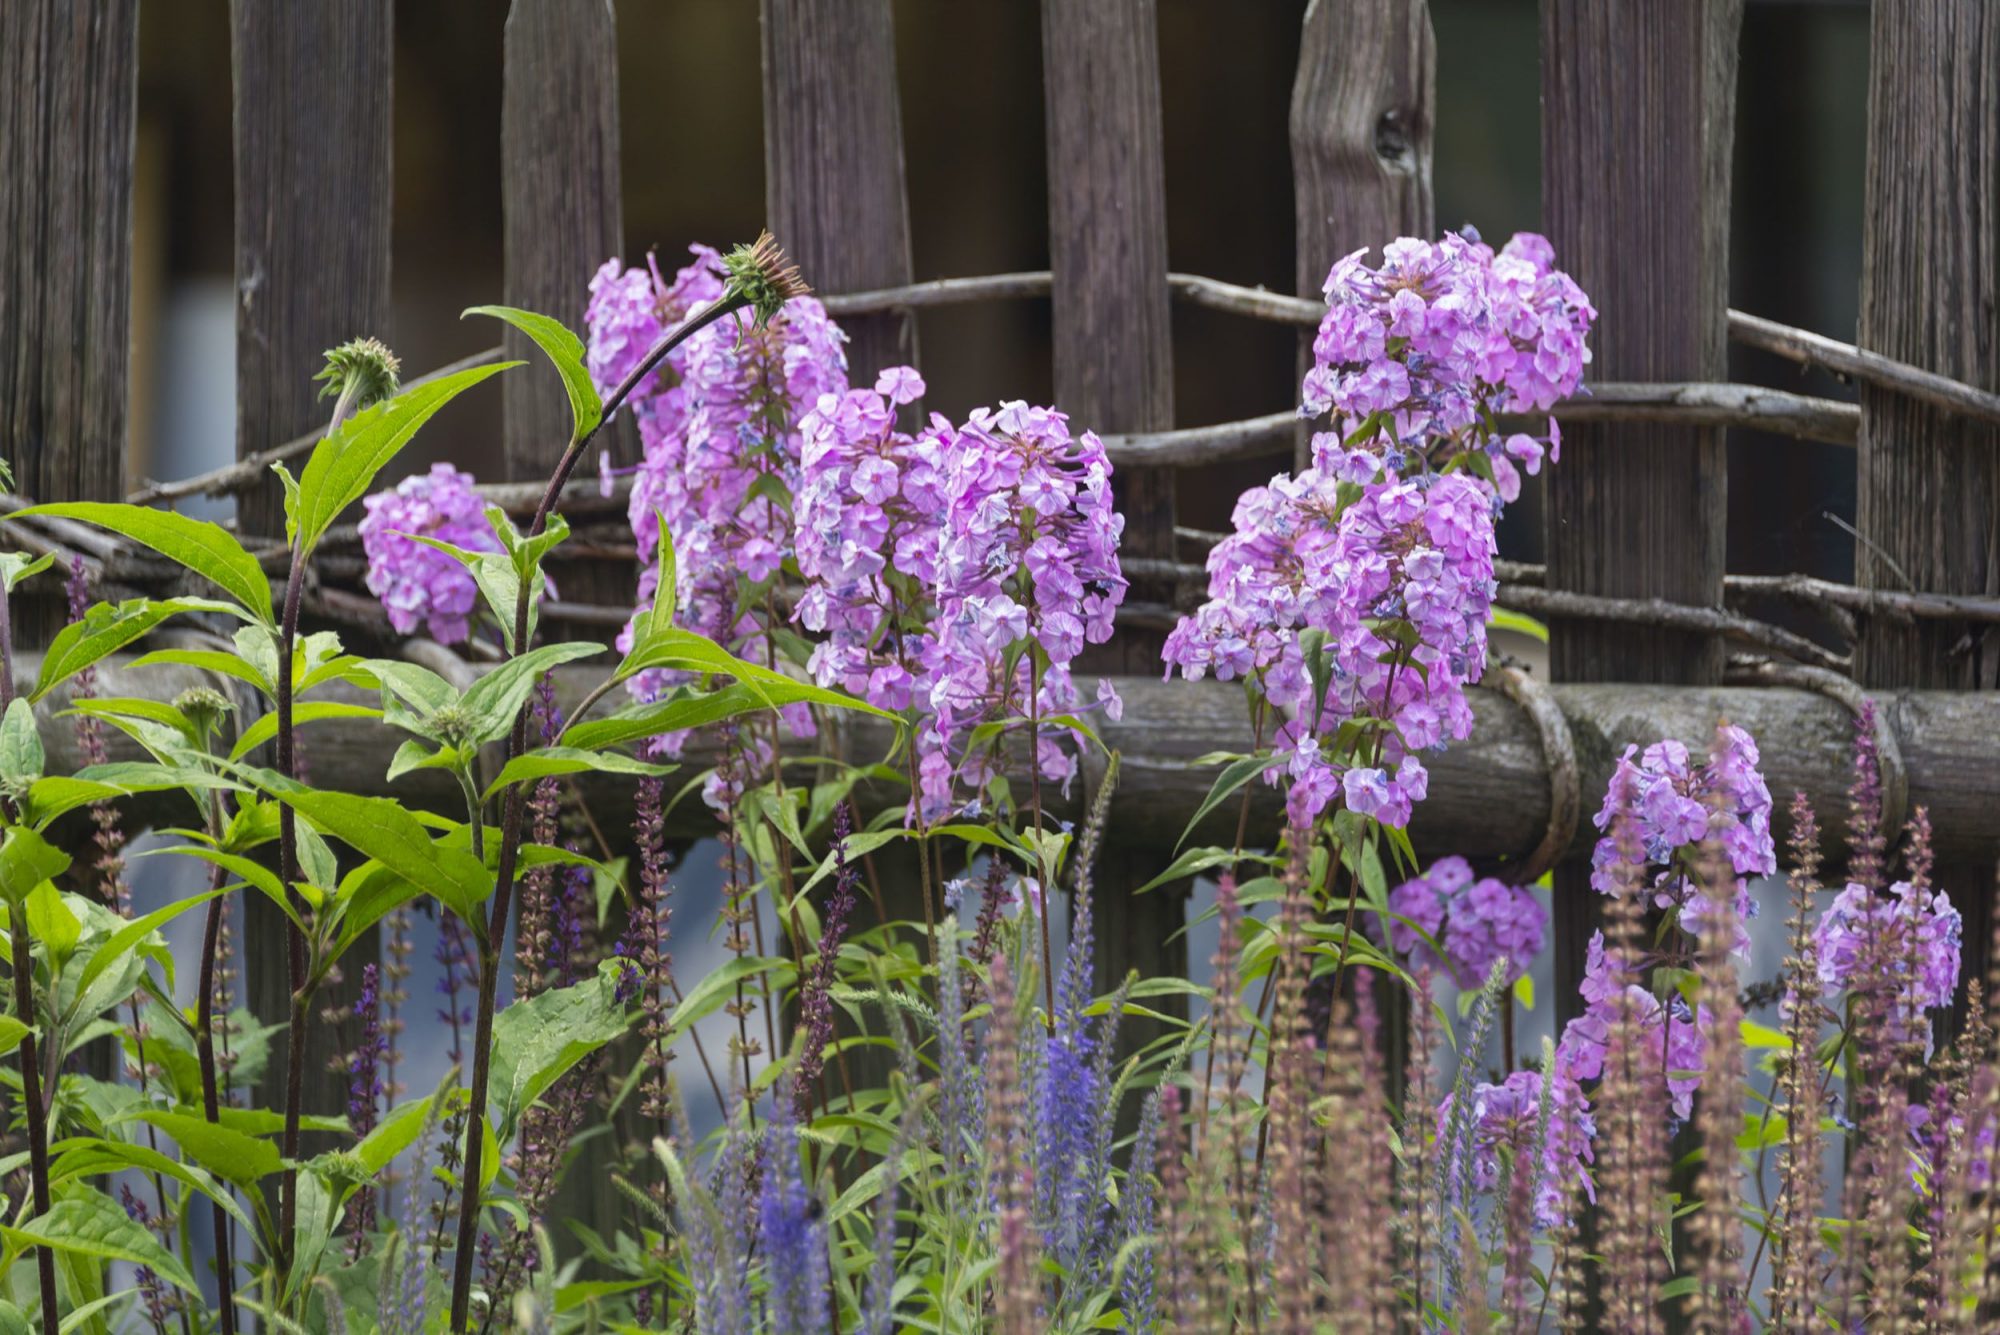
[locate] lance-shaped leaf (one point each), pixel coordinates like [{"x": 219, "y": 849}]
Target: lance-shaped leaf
[
  {"x": 89, "y": 1223},
  {"x": 312, "y": 711},
  {"x": 26, "y": 860},
  {"x": 537, "y": 1040},
  {"x": 550, "y": 761},
  {"x": 565, "y": 350},
  {"x": 686, "y": 651},
  {"x": 21, "y": 755},
  {"x": 104, "y": 630},
  {"x": 492, "y": 702},
  {"x": 690, "y": 709},
  {"x": 343, "y": 466},
  {"x": 206, "y": 549}
]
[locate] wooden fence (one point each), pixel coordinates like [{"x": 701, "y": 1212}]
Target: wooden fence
[{"x": 1637, "y": 99}]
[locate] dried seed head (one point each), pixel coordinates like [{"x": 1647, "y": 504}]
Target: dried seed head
[
  {"x": 761, "y": 276},
  {"x": 362, "y": 370}
]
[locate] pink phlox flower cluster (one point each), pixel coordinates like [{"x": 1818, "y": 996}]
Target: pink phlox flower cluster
[
  {"x": 720, "y": 436},
  {"x": 1475, "y": 921},
  {"x": 931, "y": 560},
  {"x": 1675, "y": 1037},
  {"x": 1508, "y": 1117},
  {"x": 1385, "y": 546},
  {"x": 1671, "y": 803},
  {"x": 419, "y": 585},
  {"x": 1902, "y": 947},
  {"x": 1443, "y": 336}
]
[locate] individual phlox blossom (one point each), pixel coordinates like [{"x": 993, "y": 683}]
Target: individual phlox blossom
[
  {"x": 1675, "y": 1035},
  {"x": 1475, "y": 921},
  {"x": 1508, "y": 1117},
  {"x": 1444, "y": 334},
  {"x": 1672, "y": 803},
  {"x": 1901, "y": 948},
  {"x": 417, "y": 584}
]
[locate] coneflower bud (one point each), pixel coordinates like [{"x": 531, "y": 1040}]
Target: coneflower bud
[
  {"x": 204, "y": 707},
  {"x": 359, "y": 372},
  {"x": 761, "y": 277}
]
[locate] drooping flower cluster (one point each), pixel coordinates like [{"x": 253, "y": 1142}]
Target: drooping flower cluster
[
  {"x": 933, "y": 563},
  {"x": 1474, "y": 922},
  {"x": 1675, "y": 1036},
  {"x": 719, "y": 426},
  {"x": 1372, "y": 571},
  {"x": 1509, "y": 1117},
  {"x": 418, "y": 584},
  {"x": 1901, "y": 950},
  {"x": 1672, "y": 804}
]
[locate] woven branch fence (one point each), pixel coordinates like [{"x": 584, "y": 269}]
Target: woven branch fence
[{"x": 1650, "y": 635}]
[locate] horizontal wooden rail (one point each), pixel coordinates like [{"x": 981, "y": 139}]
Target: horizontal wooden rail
[{"x": 1489, "y": 795}]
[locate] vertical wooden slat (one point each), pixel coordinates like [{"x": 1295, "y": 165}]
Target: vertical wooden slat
[
  {"x": 833, "y": 161},
  {"x": 1928, "y": 483},
  {"x": 559, "y": 196},
  {"x": 1637, "y": 102},
  {"x": 312, "y": 88},
  {"x": 1114, "y": 355},
  {"x": 560, "y": 203},
  {"x": 68, "y": 75},
  {"x": 1363, "y": 105}
]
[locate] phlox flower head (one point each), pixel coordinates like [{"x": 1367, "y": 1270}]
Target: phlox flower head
[
  {"x": 1900, "y": 949},
  {"x": 1673, "y": 1040},
  {"x": 417, "y": 584},
  {"x": 1474, "y": 921},
  {"x": 1507, "y": 1118}
]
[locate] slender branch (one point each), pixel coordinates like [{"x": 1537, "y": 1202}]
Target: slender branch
[
  {"x": 513, "y": 810},
  {"x": 31, "y": 1097},
  {"x": 1673, "y": 616},
  {"x": 250, "y": 470},
  {"x": 1847, "y": 360},
  {"x": 211, "y": 1098}
]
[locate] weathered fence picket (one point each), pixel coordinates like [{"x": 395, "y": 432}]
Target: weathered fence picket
[
  {"x": 1363, "y": 111},
  {"x": 833, "y": 161},
  {"x": 1114, "y": 360},
  {"x": 1928, "y": 481},
  {"x": 1637, "y": 102},
  {"x": 68, "y": 75},
  {"x": 312, "y": 89}
]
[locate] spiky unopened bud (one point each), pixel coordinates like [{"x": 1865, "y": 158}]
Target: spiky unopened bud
[
  {"x": 761, "y": 276},
  {"x": 361, "y": 371}
]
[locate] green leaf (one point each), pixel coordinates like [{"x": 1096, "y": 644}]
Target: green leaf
[
  {"x": 688, "y": 652},
  {"x": 493, "y": 702},
  {"x": 105, "y": 629},
  {"x": 548, "y": 761},
  {"x": 691, "y": 709},
  {"x": 210, "y": 660},
  {"x": 379, "y": 828},
  {"x": 343, "y": 465},
  {"x": 499, "y": 584},
  {"x": 12, "y": 1031},
  {"x": 21, "y": 756},
  {"x": 1191, "y": 863},
  {"x": 89, "y": 1223},
  {"x": 206, "y": 549},
  {"x": 667, "y": 593},
  {"x": 565, "y": 350},
  {"x": 1524, "y": 991},
  {"x": 537, "y": 1040},
  {"x": 52, "y": 923},
  {"x": 233, "y": 1156},
  {"x": 312, "y": 711},
  {"x": 1232, "y": 778},
  {"x": 719, "y": 985},
  {"x": 16, "y": 567},
  {"x": 26, "y": 860},
  {"x": 93, "y": 1157},
  {"x": 1499, "y": 618},
  {"x": 122, "y": 941}
]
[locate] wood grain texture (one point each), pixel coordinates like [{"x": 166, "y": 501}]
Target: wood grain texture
[
  {"x": 68, "y": 75},
  {"x": 312, "y": 110},
  {"x": 1637, "y": 106},
  {"x": 1363, "y": 113},
  {"x": 560, "y": 202},
  {"x": 312, "y": 90},
  {"x": 1927, "y": 480},
  {"x": 1113, "y": 339},
  {"x": 833, "y": 161},
  {"x": 1489, "y": 796},
  {"x": 1108, "y": 239}
]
